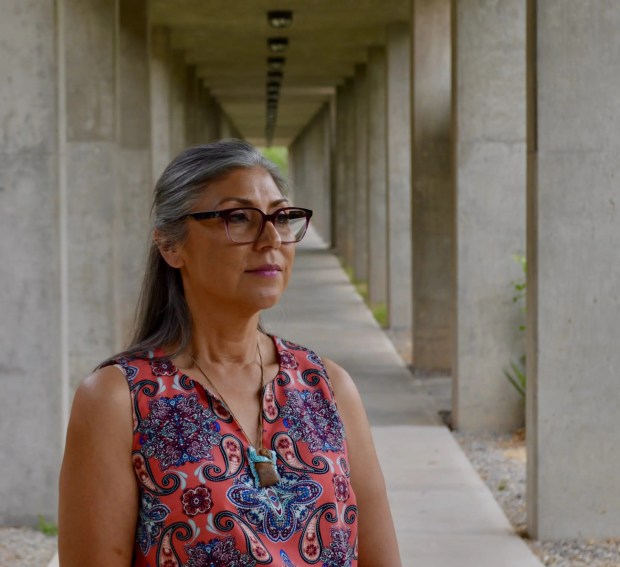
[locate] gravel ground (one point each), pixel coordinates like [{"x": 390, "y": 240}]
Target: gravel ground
[
  {"x": 25, "y": 547},
  {"x": 500, "y": 461}
]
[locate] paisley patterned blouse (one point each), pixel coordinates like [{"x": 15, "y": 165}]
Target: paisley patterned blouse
[{"x": 199, "y": 506}]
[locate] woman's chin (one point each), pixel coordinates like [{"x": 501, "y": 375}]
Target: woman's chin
[{"x": 266, "y": 301}]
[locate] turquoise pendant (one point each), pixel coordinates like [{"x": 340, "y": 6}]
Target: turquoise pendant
[{"x": 263, "y": 467}]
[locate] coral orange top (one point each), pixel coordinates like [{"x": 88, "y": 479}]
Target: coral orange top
[{"x": 199, "y": 506}]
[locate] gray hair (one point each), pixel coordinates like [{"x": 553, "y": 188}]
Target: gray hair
[{"x": 162, "y": 316}]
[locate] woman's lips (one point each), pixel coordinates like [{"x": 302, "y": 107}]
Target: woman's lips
[{"x": 266, "y": 270}]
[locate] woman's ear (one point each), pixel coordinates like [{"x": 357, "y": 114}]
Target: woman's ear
[{"x": 169, "y": 252}]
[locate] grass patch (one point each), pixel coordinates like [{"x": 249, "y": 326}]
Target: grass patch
[
  {"x": 380, "y": 313},
  {"x": 48, "y": 528},
  {"x": 379, "y": 310}
]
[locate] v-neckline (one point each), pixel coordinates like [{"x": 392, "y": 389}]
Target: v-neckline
[{"x": 199, "y": 387}]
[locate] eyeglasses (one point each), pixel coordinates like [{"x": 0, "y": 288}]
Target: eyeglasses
[{"x": 245, "y": 225}]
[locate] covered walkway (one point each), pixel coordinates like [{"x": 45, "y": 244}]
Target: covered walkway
[
  {"x": 435, "y": 140},
  {"x": 444, "y": 514}
]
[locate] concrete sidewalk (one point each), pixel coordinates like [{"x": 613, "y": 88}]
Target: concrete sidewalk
[{"x": 445, "y": 516}]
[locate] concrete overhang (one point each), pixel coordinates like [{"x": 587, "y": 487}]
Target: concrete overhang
[{"x": 226, "y": 42}]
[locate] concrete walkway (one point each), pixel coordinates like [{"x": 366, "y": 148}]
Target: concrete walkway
[{"x": 445, "y": 516}]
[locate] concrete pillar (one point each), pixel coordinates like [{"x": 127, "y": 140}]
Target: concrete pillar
[
  {"x": 311, "y": 152},
  {"x": 32, "y": 331},
  {"x": 340, "y": 165},
  {"x": 325, "y": 157},
  {"x": 135, "y": 176},
  {"x": 573, "y": 302},
  {"x": 215, "y": 127},
  {"x": 178, "y": 139},
  {"x": 400, "y": 290},
  {"x": 360, "y": 247},
  {"x": 349, "y": 171},
  {"x": 377, "y": 178},
  {"x": 489, "y": 177},
  {"x": 433, "y": 196},
  {"x": 90, "y": 130},
  {"x": 160, "y": 74},
  {"x": 192, "y": 110}
]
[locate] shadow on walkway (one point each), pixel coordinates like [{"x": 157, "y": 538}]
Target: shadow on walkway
[{"x": 444, "y": 513}]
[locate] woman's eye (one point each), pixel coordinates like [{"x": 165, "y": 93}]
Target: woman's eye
[
  {"x": 238, "y": 217},
  {"x": 282, "y": 218}
]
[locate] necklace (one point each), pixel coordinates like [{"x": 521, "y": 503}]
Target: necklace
[{"x": 263, "y": 461}]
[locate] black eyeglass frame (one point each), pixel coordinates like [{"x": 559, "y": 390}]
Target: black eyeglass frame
[{"x": 225, "y": 214}]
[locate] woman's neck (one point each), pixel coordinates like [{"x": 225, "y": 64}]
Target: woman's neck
[{"x": 224, "y": 339}]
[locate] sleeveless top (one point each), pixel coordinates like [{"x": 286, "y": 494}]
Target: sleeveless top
[{"x": 198, "y": 503}]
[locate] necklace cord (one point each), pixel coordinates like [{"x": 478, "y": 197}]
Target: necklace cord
[{"x": 260, "y": 398}]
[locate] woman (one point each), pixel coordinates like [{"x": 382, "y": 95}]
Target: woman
[{"x": 209, "y": 442}]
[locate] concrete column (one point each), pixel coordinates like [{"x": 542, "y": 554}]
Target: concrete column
[
  {"x": 433, "y": 196},
  {"x": 325, "y": 157},
  {"x": 32, "y": 334},
  {"x": 377, "y": 178},
  {"x": 192, "y": 111},
  {"x": 313, "y": 170},
  {"x": 573, "y": 270},
  {"x": 360, "y": 247},
  {"x": 489, "y": 158},
  {"x": 340, "y": 165},
  {"x": 160, "y": 74},
  {"x": 134, "y": 185},
  {"x": 215, "y": 127},
  {"x": 349, "y": 171},
  {"x": 90, "y": 103},
  {"x": 178, "y": 103},
  {"x": 226, "y": 128},
  {"x": 400, "y": 290}
]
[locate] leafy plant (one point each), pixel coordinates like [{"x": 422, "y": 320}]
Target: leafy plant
[
  {"x": 516, "y": 376},
  {"x": 48, "y": 528},
  {"x": 516, "y": 373}
]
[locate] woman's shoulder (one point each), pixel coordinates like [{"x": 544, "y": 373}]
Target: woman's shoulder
[{"x": 101, "y": 396}]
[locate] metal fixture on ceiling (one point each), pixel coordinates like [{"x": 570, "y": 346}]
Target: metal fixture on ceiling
[
  {"x": 277, "y": 44},
  {"x": 274, "y": 76},
  {"x": 275, "y": 63},
  {"x": 280, "y": 19}
]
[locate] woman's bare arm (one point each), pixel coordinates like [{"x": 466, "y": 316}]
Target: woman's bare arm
[
  {"x": 98, "y": 489},
  {"x": 377, "y": 538}
]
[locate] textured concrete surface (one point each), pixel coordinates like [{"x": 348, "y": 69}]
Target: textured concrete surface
[
  {"x": 377, "y": 178},
  {"x": 489, "y": 151},
  {"x": 433, "y": 195},
  {"x": 400, "y": 296},
  {"x": 573, "y": 270},
  {"x": 444, "y": 514},
  {"x": 30, "y": 405},
  {"x": 360, "y": 198}
]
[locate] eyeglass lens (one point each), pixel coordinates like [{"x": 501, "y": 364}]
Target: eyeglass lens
[{"x": 244, "y": 225}]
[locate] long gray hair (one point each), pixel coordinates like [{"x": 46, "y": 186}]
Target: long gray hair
[{"x": 162, "y": 316}]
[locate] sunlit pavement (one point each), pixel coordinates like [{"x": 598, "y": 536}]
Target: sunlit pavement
[{"x": 444, "y": 513}]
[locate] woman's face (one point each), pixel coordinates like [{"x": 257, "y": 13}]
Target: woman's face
[{"x": 241, "y": 277}]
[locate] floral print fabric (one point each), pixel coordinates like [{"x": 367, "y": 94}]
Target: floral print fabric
[{"x": 199, "y": 506}]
